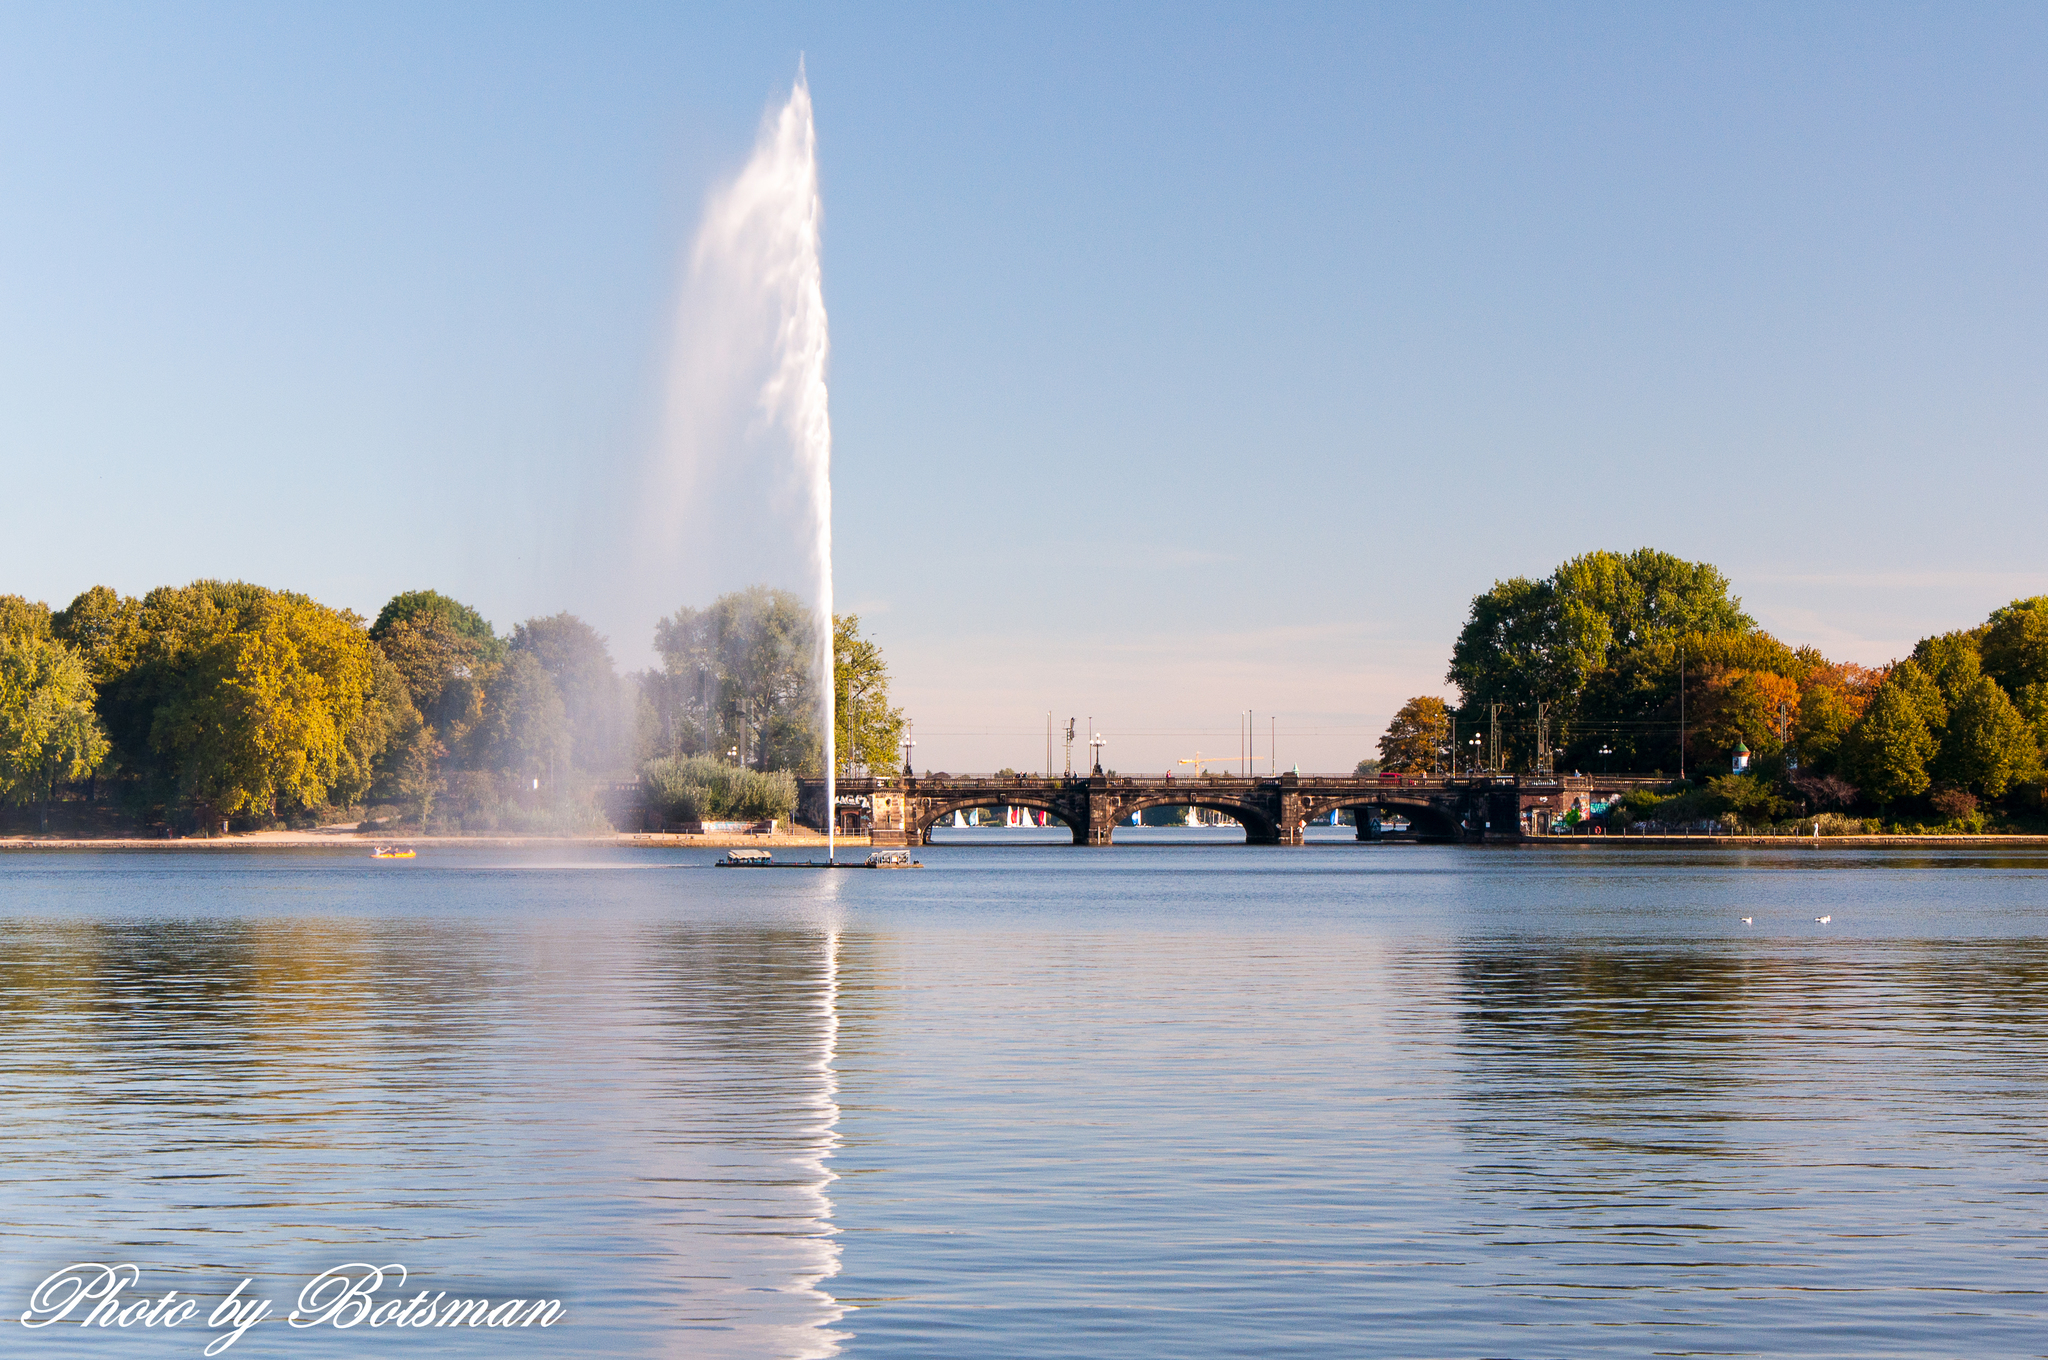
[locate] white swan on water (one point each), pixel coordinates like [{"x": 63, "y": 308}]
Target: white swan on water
[
  {"x": 1749, "y": 920},
  {"x": 1824, "y": 919}
]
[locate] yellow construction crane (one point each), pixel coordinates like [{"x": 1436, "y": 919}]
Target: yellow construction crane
[{"x": 1198, "y": 760}]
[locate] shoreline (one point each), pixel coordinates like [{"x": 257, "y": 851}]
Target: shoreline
[
  {"x": 358, "y": 841},
  {"x": 2007, "y": 839}
]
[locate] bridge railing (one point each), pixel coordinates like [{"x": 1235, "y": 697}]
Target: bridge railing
[{"x": 853, "y": 784}]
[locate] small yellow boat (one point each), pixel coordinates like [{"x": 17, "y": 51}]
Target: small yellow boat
[{"x": 386, "y": 852}]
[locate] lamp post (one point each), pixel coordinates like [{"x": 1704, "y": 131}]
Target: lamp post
[
  {"x": 1475, "y": 743},
  {"x": 1095, "y": 745},
  {"x": 1605, "y": 751},
  {"x": 909, "y": 745}
]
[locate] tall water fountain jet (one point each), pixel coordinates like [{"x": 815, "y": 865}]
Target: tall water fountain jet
[{"x": 749, "y": 419}]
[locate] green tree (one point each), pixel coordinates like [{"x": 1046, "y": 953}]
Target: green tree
[
  {"x": 270, "y": 686},
  {"x": 419, "y": 606},
  {"x": 739, "y": 675},
  {"x": 1951, "y": 661},
  {"x": 388, "y": 719},
  {"x": 2014, "y": 646},
  {"x": 1414, "y": 740},
  {"x": 578, "y": 660},
  {"x": 1754, "y": 799},
  {"x": 409, "y": 775},
  {"x": 1550, "y": 641},
  {"x": 21, "y": 617},
  {"x": 446, "y": 653},
  {"x": 1988, "y": 745},
  {"x": 524, "y": 734},
  {"x": 1825, "y": 717},
  {"x": 2032, "y": 702},
  {"x": 1831, "y": 701},
  {"x": 1886, "y": 753},
  {"x": 1921, "y": 691},
  {"x": 1506, "y": 652},
  {"x": 2014, "y": 643},
  {"x": 1634, "y": 703},
  {"x": 49, "y": 733},
  {"x": 868, "y": 727},
  {"x": 1609, "y": 602},
  {"x": 239, "y": 699},
  {"x": 444, "y": 671},
  {"x": 104, "y": 628}
]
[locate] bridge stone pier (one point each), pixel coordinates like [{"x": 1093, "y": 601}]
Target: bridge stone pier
[{"x": 1274, "y": 810}]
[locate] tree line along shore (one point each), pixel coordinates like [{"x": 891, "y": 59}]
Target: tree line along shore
[
  {"x": 1644, "y": 663},
  {"x": 224, "y": 706},
  {"x": 229, "y": 706}
]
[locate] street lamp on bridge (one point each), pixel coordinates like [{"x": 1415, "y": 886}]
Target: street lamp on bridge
[{"x": 909, "y": 745}]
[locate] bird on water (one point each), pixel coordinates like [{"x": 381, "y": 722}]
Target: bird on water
[
  {"x": 1749, "y": 920},
  {"x": 1824, "y": 919}
]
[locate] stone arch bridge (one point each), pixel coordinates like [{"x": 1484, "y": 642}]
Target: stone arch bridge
[{"x": 903, "y": 809}]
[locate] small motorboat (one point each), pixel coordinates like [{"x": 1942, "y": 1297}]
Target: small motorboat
[
  {"x": 747, "y": 859},
  {"x": 892, "y": 859},
  {"x": 388, "y": 852}
]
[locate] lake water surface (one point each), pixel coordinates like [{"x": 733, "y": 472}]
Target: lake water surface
[{"x": 1168, "y": 1099}]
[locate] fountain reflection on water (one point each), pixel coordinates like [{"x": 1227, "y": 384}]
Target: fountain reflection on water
[
  {"x": 1336, "y": 1100},
  {"x": 455, "y": 1072}
]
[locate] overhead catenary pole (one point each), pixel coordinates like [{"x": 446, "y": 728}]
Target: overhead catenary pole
[{"x": 1681, "y": 710}]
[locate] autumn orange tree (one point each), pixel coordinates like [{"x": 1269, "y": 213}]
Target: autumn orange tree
[{"x": 1415, "y": 739}]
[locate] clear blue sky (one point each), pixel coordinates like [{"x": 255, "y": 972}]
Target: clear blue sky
[{"x": 1185, "y": 360}]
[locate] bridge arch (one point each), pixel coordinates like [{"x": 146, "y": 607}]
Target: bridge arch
[
  {"x": 1259, "y": 828},
  {"x": 1430, "y": 820},
  {"x": 934, "y": 812}
]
